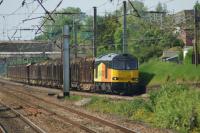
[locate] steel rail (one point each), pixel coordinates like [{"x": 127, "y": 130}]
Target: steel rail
[
  {"x": 94, "y": 118},
  {"x": 2, "y": 130},
  {"x": 64, "y": 119},
  {"x": 26, "y": 120},
  {"x": 74, "y": 92}
]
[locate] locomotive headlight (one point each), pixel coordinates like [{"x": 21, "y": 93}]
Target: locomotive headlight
[
  {"x": 115, "y": 78},
  {"x": 135, "y": 79}
]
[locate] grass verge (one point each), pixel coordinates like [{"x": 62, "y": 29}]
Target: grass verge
[
  {"x": 156, "y": 72},
  {"x": 74, "y": 98}
]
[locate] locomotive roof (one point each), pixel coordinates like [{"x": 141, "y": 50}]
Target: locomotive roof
[{"x": 110, "y": 57}]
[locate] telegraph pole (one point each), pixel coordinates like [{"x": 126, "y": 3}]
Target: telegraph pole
[
  {"x": 124, "y": 29},
  {"x": 196, "y": 27},
  {"x": 94, "y": 31}
]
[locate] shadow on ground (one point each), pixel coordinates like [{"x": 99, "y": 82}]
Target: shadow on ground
[{"x": 144, "y": 80}]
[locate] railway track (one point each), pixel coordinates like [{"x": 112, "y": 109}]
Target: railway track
[
  {"x": 2, "y": 130},
  {"x": 58, "y": 116},
  {"x": 40, "y": 89},
  {"x": 114, "y": 126},
  {"x": 6, "y": 108}
]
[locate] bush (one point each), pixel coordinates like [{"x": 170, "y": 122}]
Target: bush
[
  {"x": 124, "y": 108},
  {"x": 176, "y": 107},
  {"x": 172, "y": 106},
  {"x": 180, "y": 56}
]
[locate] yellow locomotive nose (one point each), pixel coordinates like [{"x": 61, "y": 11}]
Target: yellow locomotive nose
[{"x": 125, "y": 76}]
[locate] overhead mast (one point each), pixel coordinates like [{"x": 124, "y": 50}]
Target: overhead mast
[
  {"x": 75, "y": 36},
  {"x": 94, "y": 32},
  {"x": 124, "y": 28},
  {"x": 196, "y": 54}
]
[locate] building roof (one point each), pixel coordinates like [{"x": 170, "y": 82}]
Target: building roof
[
  {"x": 23, "y": 42},
  {"x": 169, "y": 54},
  {"x": 28, "y": 53}
]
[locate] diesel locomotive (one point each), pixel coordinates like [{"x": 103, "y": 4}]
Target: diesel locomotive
[
  {"x": 113, "y": 73},
  {"x": 116, "y": 72}
]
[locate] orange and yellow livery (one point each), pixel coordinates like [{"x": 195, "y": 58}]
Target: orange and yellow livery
[{"x": 116, "y": 72}]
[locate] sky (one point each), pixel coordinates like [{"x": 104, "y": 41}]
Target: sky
[{"x": 12, "y": 14}]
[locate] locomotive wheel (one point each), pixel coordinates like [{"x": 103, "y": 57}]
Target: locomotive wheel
[
  {"x": 109, "y": 89},
  {"x": 103, "y": 88}
]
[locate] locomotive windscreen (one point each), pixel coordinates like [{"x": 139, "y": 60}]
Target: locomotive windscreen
[{"x": 125, "y": 64}]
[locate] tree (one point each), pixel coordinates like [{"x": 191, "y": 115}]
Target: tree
[
  {"x": 161, "y": 7},
  {"x": 107, "y": 27},
  {"x": 197, "y": 4},
  {"x": 53, "y": 30},
  {"x": 145, "y": 40}
]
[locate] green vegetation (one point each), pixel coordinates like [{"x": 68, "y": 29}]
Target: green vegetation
[
  {"x": 188, "y": 59},
  {"x": 173, "y": 106},
  {"x": 157, "y": 72},
  {"x": 176, "y": 107},
  {"x": 146, "y": 37},
  {"x": 74, "y": 98},
  {"x": 123, "y": 108}
]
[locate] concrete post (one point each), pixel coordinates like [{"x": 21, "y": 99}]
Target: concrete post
[{"x": 66, "y": 67}]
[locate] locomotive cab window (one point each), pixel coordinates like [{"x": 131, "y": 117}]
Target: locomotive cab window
[
  {"x": 125, "y": 64},
  {"x": 132, "y": 64}
]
